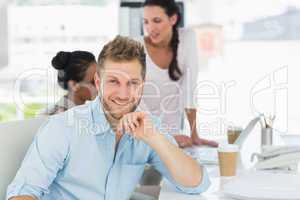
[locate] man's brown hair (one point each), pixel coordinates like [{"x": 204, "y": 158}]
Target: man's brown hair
[{"x": 123, "y": 49}]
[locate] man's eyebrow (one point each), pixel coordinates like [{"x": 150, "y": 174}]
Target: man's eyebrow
[
  {"x": 136, "y": 79},
  {"x": 111, "y": 76}
]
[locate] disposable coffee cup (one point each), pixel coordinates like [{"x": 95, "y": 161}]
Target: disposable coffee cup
[
  {"x": 233, "y": 133},
  {"x": 228, "y": 154}
]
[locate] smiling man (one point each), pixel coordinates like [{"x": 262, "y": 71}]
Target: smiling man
[{"x": 99, "y": 150}]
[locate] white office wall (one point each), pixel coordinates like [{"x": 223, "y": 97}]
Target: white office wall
[
  {"x": 3, "y": 35},
  {"x": 250, "y": 76},
  {"x": 241, "y": 66}
]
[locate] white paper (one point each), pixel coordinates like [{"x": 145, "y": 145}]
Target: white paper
[{"x": 264, "y": 186}]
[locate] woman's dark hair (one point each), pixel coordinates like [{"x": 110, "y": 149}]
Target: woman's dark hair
[
  {"x": 171, "y": 9},
  {"x": 72, "y": 66}
]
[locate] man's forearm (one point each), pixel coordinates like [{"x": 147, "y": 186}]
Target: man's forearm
[
  {"x": 183, "y": 168},
  {"x": 23, "y": 198}
]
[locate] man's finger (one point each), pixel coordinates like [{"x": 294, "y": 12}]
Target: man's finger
[
  {"x": 140, "y": 115},
  {"x": 135, "y": 121},
  {"x": 130, "y": 120},
  {"x": 126, "y": 125}
]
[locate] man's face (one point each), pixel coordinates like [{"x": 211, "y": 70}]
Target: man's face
[{"x": 120, "y": 86}]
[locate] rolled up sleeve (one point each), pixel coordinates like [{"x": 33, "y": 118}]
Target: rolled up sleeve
[
  {"x": 202, "y": 187},
  {"x": 44, "y": 158},
  {"x": 21, "y": 188},
  {"x": 160, "y": 166}
]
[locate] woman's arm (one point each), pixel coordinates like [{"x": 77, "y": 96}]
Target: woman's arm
[{"x": 191, "y": 114}]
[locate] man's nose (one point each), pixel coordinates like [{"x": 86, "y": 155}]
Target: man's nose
[{"x": 124, "y": 92}]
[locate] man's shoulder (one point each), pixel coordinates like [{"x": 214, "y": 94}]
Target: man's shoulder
[{"x": 66, "y": 123}]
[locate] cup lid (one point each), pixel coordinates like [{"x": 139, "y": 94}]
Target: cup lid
[
  {"x": 228, "y": 148},
  {"x": 235, "y": 128}
]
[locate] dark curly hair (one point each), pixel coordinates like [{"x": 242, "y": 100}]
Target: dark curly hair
[{"x": 72, "y": 66}]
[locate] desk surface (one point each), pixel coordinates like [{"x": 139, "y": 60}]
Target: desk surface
[{"x": 168, "y": 192}]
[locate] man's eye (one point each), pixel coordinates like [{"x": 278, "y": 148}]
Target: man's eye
[
  {"x": 112, "y": 81},
  {"x": 134, "y": 82}
]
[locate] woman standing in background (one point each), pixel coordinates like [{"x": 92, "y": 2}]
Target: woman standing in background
[
  {"x": 172, "y": 70},
  {"x": 76, "y": 75}
]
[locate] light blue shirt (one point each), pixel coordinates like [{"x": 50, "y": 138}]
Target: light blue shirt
[{"x": 73, "y": 157}]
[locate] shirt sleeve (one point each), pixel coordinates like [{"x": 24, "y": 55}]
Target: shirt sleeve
[
  {"x": 192, "y": 63},
  {"x": 43, "y": 160},
  {"x": 159, "y": 165}
]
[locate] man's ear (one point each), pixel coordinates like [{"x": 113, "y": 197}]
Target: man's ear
[{"x": 97, "y": 81}]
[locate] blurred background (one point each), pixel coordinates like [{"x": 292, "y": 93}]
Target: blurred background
[{"x": 250, "y": 50}]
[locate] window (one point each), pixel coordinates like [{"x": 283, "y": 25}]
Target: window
[
  {"x": 257, "y": 70},
  {"x": 37, "y": 30}
]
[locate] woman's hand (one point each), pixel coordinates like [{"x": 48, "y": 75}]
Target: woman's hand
[
  {"x": 196, "y": 140},
  {"x": 183, "y": 141}
]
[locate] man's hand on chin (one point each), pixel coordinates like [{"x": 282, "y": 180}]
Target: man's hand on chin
[{"x": 138, "y": 125}]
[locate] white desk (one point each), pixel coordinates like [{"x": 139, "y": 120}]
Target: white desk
[
  {"x": 168, "y": 192},
  {"x": 249, "y": 184},
  {"x": 251, "y": 145}
]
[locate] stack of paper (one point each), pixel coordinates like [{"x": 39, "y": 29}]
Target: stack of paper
[{"x": 264, "y": 186}]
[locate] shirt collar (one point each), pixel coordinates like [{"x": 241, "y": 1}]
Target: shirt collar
[{"x": 100, "y": 123}]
